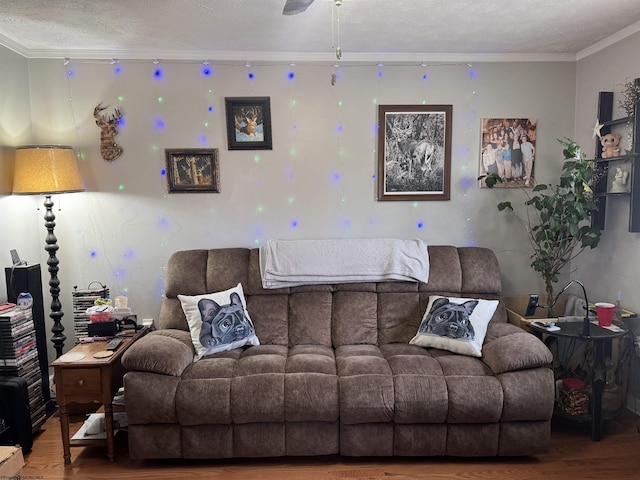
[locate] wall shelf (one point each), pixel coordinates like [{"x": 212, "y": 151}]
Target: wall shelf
[{"x": 605, "y": 117}]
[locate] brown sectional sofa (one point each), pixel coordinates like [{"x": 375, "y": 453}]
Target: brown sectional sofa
[{"x": 335, "y": 373}]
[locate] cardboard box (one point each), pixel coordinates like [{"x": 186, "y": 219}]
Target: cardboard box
[
  {"x": 11, "y": 462},
  {"x": 516, "y": 307}
]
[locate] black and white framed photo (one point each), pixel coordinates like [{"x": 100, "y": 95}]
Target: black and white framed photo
[
  {"x": 248, "y": 123},
  {"x": 414, "y": 152},
  {"x": 191, "y": 170}
]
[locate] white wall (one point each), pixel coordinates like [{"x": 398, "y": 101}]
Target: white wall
[
  {"x": 614, "y": 265},
  {"x": 122, "y": 230},
  {"x": 15, "y": 129}
]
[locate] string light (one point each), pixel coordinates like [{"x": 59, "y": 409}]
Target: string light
[
  {"x": 340, "y": 175},
  {"x": 206, "y": 69},
  {"x": 336, "y": 42}
]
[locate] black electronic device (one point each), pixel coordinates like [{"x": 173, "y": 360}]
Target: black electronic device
[
  {"x": 14, "y": 408},
  {"x": 114, "y": 343},
  {"x": 532, "y": 305},
  {"x": 130, "y": 322},
  {"x": 103, "y": 329}
]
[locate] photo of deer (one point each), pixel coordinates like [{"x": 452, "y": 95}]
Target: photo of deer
[
  {"x": 414, "y": 152},
  {"x": 248, "y": 123},
  {"x": 193, "y": 170}
]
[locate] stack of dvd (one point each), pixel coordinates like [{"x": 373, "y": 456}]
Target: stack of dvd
[
  {"x": 83, "y": 299},
  {"x": 19, "y": 358}
]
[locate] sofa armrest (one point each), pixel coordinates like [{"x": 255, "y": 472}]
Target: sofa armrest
[
  {"x": 510, "y": 348},
  {"x": 167, "y": 352}
]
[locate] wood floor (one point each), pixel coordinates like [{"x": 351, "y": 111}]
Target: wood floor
[{"x": 572, "y": 456}]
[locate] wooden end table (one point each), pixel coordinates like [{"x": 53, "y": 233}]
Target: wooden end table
[{"x": 89, "y": 380}]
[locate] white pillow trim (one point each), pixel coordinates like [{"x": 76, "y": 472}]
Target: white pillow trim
[
  {"x": 479, "y": 319},
  {"x": 191, "y": 309}
]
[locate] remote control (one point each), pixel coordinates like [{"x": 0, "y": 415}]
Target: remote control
[
  {"x": 114, "y": 343},
  {"x": 548, "y": 326}
]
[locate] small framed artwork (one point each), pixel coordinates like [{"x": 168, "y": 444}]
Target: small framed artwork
[
  {"x": 414, "y": 152},
  {"x": 508, "y": 148},
  {"x": 619, "y": 177},
  {"x": 248, "y": 123},
  {"x": 192, "y": 170}
]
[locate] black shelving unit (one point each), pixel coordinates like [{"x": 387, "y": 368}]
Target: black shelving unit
[{"x": 605, "y": 117}]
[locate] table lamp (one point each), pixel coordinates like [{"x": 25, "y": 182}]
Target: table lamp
[{"x": 46, "y": 170}]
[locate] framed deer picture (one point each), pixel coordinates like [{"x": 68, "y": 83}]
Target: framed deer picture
[
  {"x": 248, "y": 123},
  {"x": 193, "y": 170},
  {"x": 414, "y": 152}
]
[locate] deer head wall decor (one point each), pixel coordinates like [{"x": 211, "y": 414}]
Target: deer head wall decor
[{"x": 109, "y": 149}]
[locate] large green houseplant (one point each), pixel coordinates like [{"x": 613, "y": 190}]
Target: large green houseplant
[{"x": 558, "y": 216}]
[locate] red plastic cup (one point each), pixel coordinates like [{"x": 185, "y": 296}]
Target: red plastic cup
[{"x": 605, "y": 313}]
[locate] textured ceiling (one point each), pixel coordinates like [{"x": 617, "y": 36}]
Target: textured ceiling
[{"x": 256, "y": 29}]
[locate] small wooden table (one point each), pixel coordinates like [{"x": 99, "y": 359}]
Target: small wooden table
[{"x": 89, "y": 380}]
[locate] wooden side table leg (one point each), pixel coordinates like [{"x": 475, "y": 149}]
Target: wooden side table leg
[
  {"x": 108, "y": 417},
  {"x": 64, "y": 428}
]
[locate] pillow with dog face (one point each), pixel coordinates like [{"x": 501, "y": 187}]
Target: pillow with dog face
[
  {"x": 218, "y": 321},
  {"x": 455, "y": 324}
]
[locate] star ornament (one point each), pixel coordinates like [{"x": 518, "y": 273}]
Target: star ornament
[{"x": 597, "y": 128}]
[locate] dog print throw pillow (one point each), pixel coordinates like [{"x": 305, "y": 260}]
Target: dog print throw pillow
[
  {"x": 455, "y": 324},
  {"x": 218, "y": 321}
]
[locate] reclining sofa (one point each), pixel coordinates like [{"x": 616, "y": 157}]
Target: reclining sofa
[{"x": 334, "y": 372}]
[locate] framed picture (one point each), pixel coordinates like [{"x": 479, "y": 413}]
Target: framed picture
[
  {"x": 619, "y": 177},
  {"x": 508, "y": 148},
  {"x": 248, "y": 123},
  {"x": 193, "y": 170},
  {"x": 414, "y": 152}
]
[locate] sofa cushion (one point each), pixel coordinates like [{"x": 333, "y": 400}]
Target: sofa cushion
[
  {"x": 218, "y": 321},
  {"x": 354, "y": 318},
  {"x": 310, "y": 317},
  {"x": 519, "y": 350},
  {"x": 161, "y": 351},
  {"x": 365, "y": 385},
  {"x": 455, "y": 324}
]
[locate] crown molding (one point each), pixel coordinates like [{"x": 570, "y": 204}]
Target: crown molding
[
  {"x": 257, "y": 57},
  {"x": 610, "y": 40},
  {"x": 11, "y": 45}
]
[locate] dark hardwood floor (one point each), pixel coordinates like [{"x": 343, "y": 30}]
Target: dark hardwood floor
[{"x": 572, "y": 456}]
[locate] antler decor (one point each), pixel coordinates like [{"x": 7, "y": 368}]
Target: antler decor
[{"x": 109, "y": 149}]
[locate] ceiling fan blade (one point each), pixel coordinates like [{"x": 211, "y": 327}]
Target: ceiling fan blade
[{"x": 293, "y": 7}]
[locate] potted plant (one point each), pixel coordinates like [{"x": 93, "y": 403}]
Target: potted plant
[{"x": 558, "y": 216}]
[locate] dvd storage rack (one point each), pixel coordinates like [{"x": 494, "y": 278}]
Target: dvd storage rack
[
  {"x": 83, "y": 299},
  {"x": 19, "y": 358}
]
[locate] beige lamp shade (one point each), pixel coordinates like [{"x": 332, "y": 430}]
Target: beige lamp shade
[{"x": 45, "y": 169}]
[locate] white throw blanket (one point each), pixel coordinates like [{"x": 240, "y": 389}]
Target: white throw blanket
[{"x": 289, "y": 263}]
